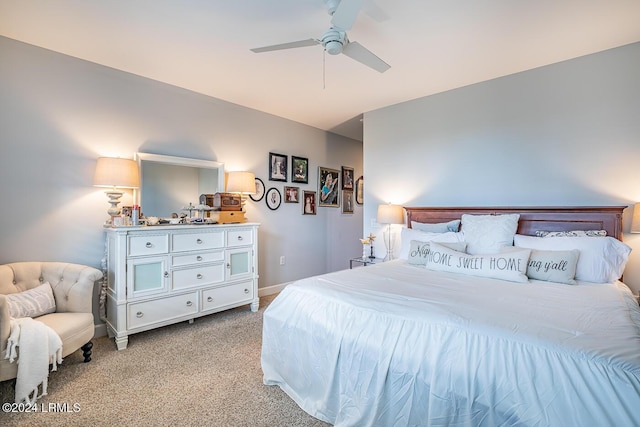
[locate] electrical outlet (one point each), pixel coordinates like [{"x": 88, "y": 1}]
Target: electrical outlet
[{"x": 282, "y": 260}]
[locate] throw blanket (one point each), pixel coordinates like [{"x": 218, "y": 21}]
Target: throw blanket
[{"x": 40, "y": 347}]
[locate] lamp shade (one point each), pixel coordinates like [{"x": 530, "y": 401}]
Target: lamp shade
[
  {"x": 635, "y": 221},
  {"x": 390, "y": 214},
  {"x": 116, "y": 172},
  {"x": 241, "y": 182}
]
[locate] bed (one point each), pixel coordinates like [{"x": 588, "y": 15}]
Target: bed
[{"x": 398, "y": 344}]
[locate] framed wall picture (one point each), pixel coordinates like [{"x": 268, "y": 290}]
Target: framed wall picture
[
  {"x": 347, "y": 201},
  {"x": 309, "y": 203},
  {"x": 360, "y": 190},
  {"x": 328, "y": 187},
  {"x": 292, "y": 194},
  {"x": 299, "y": 169},
  {"x": 273, "y": 198},
  {"x": 347, "y": 178},
  {"x": 259, "y": 191},
  {"x": 278, "y": 167}
]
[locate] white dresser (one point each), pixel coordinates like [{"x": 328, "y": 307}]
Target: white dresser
[{"x": 161, "y": 275}]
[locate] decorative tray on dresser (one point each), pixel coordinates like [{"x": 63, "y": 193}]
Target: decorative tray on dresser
[{"x": 161, "y": 275}]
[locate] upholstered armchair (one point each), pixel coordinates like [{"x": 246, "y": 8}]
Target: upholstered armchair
[{"x": 72, "y": 286}]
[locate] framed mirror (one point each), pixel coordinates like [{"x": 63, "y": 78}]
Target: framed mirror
[{"x": 168, "y": 183}]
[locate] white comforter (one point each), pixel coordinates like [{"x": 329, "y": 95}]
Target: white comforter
[{"x": 398, "y": 345}]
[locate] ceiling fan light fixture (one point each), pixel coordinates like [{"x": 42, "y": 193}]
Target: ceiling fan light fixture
[{"x": 333, "y": 47}]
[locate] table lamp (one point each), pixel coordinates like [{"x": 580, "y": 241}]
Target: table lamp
[
  {"x": 389, "y": 214},
  {"x": 243, "y": 183},
  {"x": 115, "y": 173},
  {"x": 635, "y": 221}
]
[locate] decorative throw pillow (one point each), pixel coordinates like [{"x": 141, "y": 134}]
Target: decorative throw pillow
[
  {"x": 510, "y": 265},
  {"x": 486, "y": 234},
  {"x": 440, "y": 227},
  {"x": 419, "y": 251},
  {"x": 601, "y": 260},
  {"x": 32, "y": 303},
  {"x": 409, "y": 234},
  {"x": 551, "y": 266},
  {"x": 574, "y": 233}
]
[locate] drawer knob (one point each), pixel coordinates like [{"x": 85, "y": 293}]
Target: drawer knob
[
  {"x": 199, "y": 258},
  {"x": 199, "y": 241},
  {"x": 199, "y": 276},
  {"x": 246, "y": 291},
  {"x": 209, "y": 299},
  {"x": 189, "y": 303},
  {"x": 139, "y": 314},
  {"x": 149, "y": 245},
  {"x": 228, "y": 265},
  {"x": 166, "y": 274},
  {"x": 239, "y": 237}
]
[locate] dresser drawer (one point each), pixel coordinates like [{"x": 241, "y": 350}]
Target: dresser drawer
[
  {"x": 197, "y": 258},
  {"x": 198, "y": 276},
  {"x": 239, "y": 238},
  {"x": 226, "y": 295},
  {"x": 149, "y": 312},
  {"x": 197, "y": 241},
  {"x": 148, "y": 245}
]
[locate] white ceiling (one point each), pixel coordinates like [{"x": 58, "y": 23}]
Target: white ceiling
[{"x": 431, "y": 45}]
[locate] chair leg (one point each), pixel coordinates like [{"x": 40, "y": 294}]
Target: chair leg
[{"x": 86, "y": 351}]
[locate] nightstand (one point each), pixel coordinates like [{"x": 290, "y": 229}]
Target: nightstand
[{"x": 365, "y": 261}]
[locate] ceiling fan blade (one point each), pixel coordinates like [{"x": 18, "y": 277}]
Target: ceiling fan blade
[
  {"x": 355, "y": 50},
  {"x": 290, "y": 45},
  {"x": 346, "y": 13}
]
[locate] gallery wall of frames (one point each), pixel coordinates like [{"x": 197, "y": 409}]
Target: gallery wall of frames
[{"x": 335, "y": 188}]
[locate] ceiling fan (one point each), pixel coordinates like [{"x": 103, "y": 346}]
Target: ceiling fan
[{"x": 335, "y": 40}]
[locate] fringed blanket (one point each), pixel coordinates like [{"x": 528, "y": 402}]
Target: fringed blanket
[{"x": 40, "y": 347}]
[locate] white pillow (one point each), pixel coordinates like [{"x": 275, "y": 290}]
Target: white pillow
[
  {"x": 32, "y": 303},
  {"x": 409, "y": 234},
  {"x": 573, "y": 233},
  {"x": 601, "y": 260},
  {"x": 440, "y": 227},
  {"x": 419, "y": 251},
  {"x": 510, "y": 265},
  {"x": 486, "y": 234},
  {"x": 551, "y": 266}
]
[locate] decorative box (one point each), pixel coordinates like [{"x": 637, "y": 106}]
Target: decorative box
[
  {"x": 222, "y": 201},
  {"x": 227, "y": 217}
]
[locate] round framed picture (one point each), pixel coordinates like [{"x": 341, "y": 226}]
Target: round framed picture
[
  {"x": 273, "y": 198},
  {"x": 259, "y": 191}
]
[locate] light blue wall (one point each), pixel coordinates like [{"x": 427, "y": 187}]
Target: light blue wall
[
  {"x": 58, "y": 114},
  {"x": 565, "y": 134}
]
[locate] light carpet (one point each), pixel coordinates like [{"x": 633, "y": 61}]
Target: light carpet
[{"x": 202, "y": 374}]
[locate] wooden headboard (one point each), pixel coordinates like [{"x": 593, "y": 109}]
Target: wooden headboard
[{"x": 533, "y": 219}]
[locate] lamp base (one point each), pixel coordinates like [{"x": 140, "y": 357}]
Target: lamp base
[
  {"x": 114, "y": 210},
  {"x": 389, "y": 243}
]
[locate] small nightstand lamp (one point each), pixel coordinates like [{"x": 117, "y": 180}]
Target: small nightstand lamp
[
  {"x": 243, "y": 183},
  {"x": 635, "y": 220},
  {"x": 115, "y": 173},
  {"x": 389, "y": 214}
]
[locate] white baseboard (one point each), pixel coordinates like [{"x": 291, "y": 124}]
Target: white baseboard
[
  {"x": 270, "y": 290},
  {"x": 100, "y": 330}
]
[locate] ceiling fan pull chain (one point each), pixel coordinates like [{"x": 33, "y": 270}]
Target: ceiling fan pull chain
[{"x": 324, "y": 68}]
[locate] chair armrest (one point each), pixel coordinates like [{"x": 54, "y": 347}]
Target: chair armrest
[
  {"x": 5, "y": 325},
  {"x": 72, "y": 284}
]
